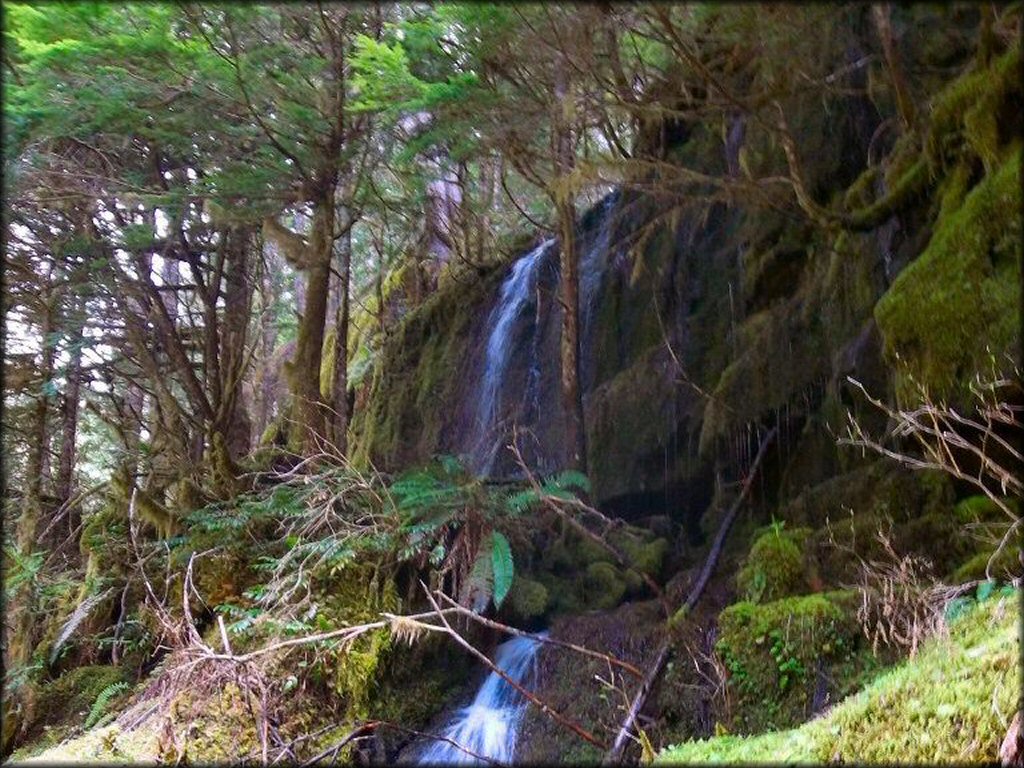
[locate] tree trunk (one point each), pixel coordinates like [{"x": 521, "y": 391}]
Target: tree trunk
[
  {"x": 234, "y": 417},
  {"x": 69, "y": 427},
  {"x": 881, "y": 12},
  {"x": 565, "y": 202},
  {"x": 308, "y": 426},
  {"x": 20, "y": 612},
  {"x": 265, "y": 389},
  {"x": 339, "y": 388}
]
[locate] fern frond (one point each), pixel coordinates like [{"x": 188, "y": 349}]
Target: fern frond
[
  {"x": 479, "y": 585},
  {"x": 502, "y": 566},
  {"x": 100, "y": 705}
]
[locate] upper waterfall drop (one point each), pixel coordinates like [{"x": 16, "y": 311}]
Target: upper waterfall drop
[
  {"x": 489, "y": 726},
  {"x": 515, "y": 296}
]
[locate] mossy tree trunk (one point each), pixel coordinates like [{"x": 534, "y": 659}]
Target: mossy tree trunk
[
  {"x": 340, "y": 415},
  {"x": 21, "y": 609},
  {"x": 233, "y": 416},
  {"x": 307, "y": 428},
  {"x": 565, "y": 202}
]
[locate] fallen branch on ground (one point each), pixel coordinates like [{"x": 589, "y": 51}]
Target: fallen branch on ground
[{"x": 625, "y": 734}]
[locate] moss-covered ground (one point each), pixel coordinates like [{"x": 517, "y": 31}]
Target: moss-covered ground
[{"x": 951, "y": 703}]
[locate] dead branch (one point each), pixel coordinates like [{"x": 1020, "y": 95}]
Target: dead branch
[
  {"x": 625, "y": 734},
  {"x": 942, "y": 433},
  {"x": 532, "y": 698}
]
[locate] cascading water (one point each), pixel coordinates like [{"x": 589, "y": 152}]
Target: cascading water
[
  {"x": 515, "y": 296},
  {"x": 595, "y": 259},
  {"x": 490, "y": 725}
]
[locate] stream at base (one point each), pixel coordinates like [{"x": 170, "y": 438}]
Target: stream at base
[{"x": 489, "y": 726}]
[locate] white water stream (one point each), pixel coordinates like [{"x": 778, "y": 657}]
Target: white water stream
[
  {"x": 516, "y": 294},
  {"x": 490, "y": 725}
]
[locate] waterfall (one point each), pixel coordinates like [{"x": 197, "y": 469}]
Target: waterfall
[
  {"x": 595, "y": 259},
  {"x": 515, "y": 296},
  {"x": 490, "y": 725}
]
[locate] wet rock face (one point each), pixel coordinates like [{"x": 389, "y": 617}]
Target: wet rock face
[
  {"x": 666, "y": 330},
  {"x": 700, "y": 325}
]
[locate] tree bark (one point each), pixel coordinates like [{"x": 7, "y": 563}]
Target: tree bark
[
  {"x": 69, "y": 425},
  {"x": 881, "y": 12},
  {"x": 235, "y": 423},
  {"x": 308, "y": 426},
  {"x": 339, "y": 387},
  {"x": 565, "y": 202}
]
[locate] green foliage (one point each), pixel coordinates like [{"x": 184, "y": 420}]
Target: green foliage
[
  {"x": 502, "y": 566},
  {"x": 775, "y": 566},
  {"x": 772, "y": 652},
  {"x": 562, "y": 485},
  {"x": 954, "y": 698},
  {"x": 20, "y": 568},
  {"x": 99, "y": 707}
]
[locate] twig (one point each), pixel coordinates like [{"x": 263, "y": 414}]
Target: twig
[
  {"x": 626, "y": 731},
  {"x": 544, "y": 707},
  {"x": 540, "y": 638}
]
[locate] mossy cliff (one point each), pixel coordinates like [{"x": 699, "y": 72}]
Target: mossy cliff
[
  {"x": 731, "y": 319},
  {"x": 701, "y": 324}
]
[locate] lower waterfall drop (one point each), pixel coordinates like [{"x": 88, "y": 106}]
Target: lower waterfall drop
[{"x": 489, "y": 726}]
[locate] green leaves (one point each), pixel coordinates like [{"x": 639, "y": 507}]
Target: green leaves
[
  {"x": 558, "y": 486},
  {"x": 502, "y": 566}
]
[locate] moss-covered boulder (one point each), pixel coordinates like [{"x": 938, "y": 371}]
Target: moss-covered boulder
[
  {"x": 603, "y": 586},
  {"x": 789, "y": 657},
  {"x": 528, "y": 599},
  {"x": 775, "y": 566}
]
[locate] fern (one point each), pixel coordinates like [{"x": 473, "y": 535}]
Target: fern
[
  {"x": 479, "y": 586},
  {"x": 558, "y": 486},
  {"x": 502, "y": 566},
  {"x": 100, "y": 705}
]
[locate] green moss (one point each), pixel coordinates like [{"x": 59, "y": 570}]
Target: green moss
[
  {"x": 645, "y": 556},
  {"x": 772, "y": 652},
  {"x": 218, "y": 728},
  {"x": 420, "y": 368},
  {"x": 352, "y": 596},
  {"x": 982, "y": 509},
  {"x": 966, "y": 114},
  {"x": 528, "y": 598},
  {"x": 1005, "y": 567},
  {"x": 774, "y": 568},
  {"x": 67, "y": 699},
  {"x": 951, "y": 314},
  {"x": 952, "y": 702},
  {"x": 603, "y": 586},
  {"x": 907, "y": 187}
]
